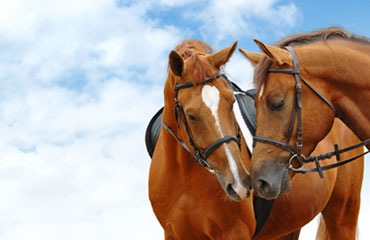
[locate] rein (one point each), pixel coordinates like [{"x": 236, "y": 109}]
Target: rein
[
  {"x": 296, "y": 152},
  {"x": 200, "y": 155}
]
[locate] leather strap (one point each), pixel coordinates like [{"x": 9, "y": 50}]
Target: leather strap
[
  {"x": 196, "y": 155},
  {"x": 218, "y": 143},
  {"x": 337, "y": 152},
  {"x": 320, "y": 169},
  {"x": 276, "y": 143},
  {"x": 320, "y": 95}
]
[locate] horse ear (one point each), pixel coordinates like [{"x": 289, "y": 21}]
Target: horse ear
[
  {"x": 280, "y": 55},
  {"x": 253, "y": 57},
  {"x": 221, "y": 57},
  {"x": 176, "y": 63}
]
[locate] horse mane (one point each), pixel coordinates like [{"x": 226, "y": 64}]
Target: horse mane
[
  {"x": 260, "y": 72},
  {"x": 323, "y": 34},
  {"x": 191, "y": 49}
]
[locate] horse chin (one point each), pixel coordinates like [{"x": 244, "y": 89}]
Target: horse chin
[
  {"x": 270, "y": 195},
  {"x": 286, "y": 184}
]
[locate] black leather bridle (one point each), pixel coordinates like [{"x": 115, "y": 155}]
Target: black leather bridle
[
  {"x": 200, "y": 155},
  {"x": 296, "y": 152}
]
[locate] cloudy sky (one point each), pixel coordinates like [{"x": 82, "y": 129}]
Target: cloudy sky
[{"x": 80, "y": 80}]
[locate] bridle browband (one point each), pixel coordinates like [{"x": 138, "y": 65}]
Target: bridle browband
[
  {"x": 200, "y": 155},
  {"x": 297, "y": 110}
]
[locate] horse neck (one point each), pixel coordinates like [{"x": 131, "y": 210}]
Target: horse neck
[
  {"x": 169, "y": 103},
  {"x": 344, "y": 70},
  {"x": 176, "y": 155}
]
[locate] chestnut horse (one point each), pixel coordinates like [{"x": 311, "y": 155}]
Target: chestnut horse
[
  {"x": 324, "y": 76},
  {"x": 190, "y": 203},
  {"x": 286, "y": 108}
]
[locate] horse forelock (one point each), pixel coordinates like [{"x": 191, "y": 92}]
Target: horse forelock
[
  {"x": 190, "y": 50},
  {"x": 200, "y": 70},
  {"x": 188, "y": 47},
  {"x": 260, "y": 72}
]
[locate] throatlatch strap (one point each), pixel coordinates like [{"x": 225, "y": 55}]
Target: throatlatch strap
[
  {"x": 178, "y": 139},
  {"x": 320, "y": 95}
]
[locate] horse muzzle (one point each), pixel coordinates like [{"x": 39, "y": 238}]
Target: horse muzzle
[{"x": 271, "y": 182}]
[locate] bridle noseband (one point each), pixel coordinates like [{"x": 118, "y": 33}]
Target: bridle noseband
[
  {"x": 200, "y": 155},
  {"x": 296, "y": 152}
]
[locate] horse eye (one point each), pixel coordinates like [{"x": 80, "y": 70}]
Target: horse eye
[
  {"x": 276, "y": 104},
  {"x": 191, "y": 117}
]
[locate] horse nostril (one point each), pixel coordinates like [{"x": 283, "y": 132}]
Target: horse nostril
[
  {"x": 263, "y": 186},
  {"x": 230, "y": 190}
]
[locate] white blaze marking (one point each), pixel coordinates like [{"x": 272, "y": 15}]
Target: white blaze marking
[{"x": 211, "y": 98}]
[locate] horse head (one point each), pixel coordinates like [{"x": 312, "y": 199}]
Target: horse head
[
  {"x": 204, "y": 117},
  {"x": 279, "y": 139}
]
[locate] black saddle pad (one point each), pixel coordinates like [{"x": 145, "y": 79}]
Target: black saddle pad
[
  {"x": 245, "y": 101},
  {"x": 152, "y": 132}
]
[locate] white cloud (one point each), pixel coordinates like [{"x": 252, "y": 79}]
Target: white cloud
[
  {"x": 46, "y": 39},
  {"x": 240, "y": 18},
  {"x": 240, "y": 71},
  {"x": 74, "y": 167}
]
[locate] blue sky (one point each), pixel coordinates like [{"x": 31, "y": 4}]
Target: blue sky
[{"x": 80, "y": 81}]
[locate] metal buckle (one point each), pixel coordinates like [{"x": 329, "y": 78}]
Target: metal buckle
[
  {"x": 203, "y": 162},
  {"x": 211, "y": 170},
  {"x": 206, "y": 165},
  {"x": 298, "y": 88},
  {"x": 301, "y": 162}
]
